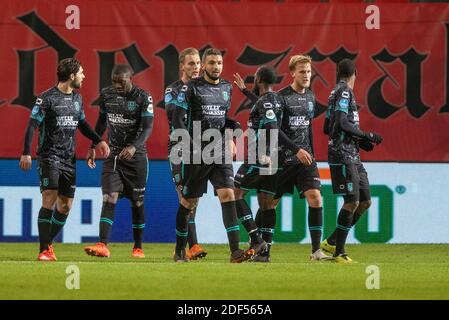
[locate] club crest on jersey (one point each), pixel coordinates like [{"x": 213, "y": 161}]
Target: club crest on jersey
[
  {"x": 225, "y": 96},
  {"x": 181, "y": 97},
  {"x": 270, "y": 114},
  {"x": 77, "y": 105},
  {"x": 132, "y": 105}
]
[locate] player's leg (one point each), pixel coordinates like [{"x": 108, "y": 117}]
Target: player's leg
[
  {"x": 100, "y": 249},
  {"x": 315, "y": 222},
  {"x": 221, "y": 177},
  {"x": 345, "y": 180},
  {"x": 186, "y": 205},
  {"x": 308, "y": 184},
  {"x": 230, "y": 221},
  {"x": 364, "y": 203},
  {"x": 138, "y": 225},
  {"x": 282, "y": 182},
  {"x": 66, "y": 193},
  {"x": 344, "y": 223},
  {"x": 195, "y": 250},
  {"x": 194, "y": 184},
  {"x": 48, "y": 178},
  {"x": 267, "y": 205},
  {"x": 364, "y": 194},
  {"x": 60, "y": 214},
  {"x": 111, "y": 186},
  {"x": 134, "y": 175},
  {"x": 44, "y": 224},
  {"x": 244, "y": 180}
]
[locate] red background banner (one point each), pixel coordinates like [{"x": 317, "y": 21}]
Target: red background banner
[{"x": 402, "y": 86}]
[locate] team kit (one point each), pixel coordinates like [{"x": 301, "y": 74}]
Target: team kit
[{"x": 197, "y": 104}]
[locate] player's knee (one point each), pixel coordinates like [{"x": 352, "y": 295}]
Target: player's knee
[
  {"x": 64, "y": 206},
  {"x": 351, "y": 206},
  {"x": 49, "y": 203},
  {"x": 314, "y": 198},
  {"x": 49, "y": 199},
  {"x": 110, "y": 197},
  {"x": 239, "y": 194},
  {"x": 189, "y": 203},
  {"x": 226, "y": 196},
  {"x": 364, "y": 205}
]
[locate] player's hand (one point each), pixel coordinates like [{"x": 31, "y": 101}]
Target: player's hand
[
  {"x": 265, "y": 160},
  {"x": 127, "y": 153},
  {"x": 239, "y": 81},
  {"x": 104, "y": 149},
  {"x": 366, "y": 145},
  {"x": 373, "y": 137},
  {"x": 304, "y": 157},
  {"x": 25, "y": 162},
  {"x": 90, "y": 158}
]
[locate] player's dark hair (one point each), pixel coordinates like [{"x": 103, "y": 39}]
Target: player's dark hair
[
  {"x": 345, "y": 69},
  {"x": 66, "y": 67},
  {"x": 122, "y": 69},
  {"x": 210, "y": 52},
  {"x": 266, "y": 75}
]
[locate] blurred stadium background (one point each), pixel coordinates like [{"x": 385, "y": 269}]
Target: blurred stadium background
[{"x": 402, "y": 90}]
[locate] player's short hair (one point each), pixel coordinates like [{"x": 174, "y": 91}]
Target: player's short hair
[
  {"x": 210, "y": 52},
  {"x": 299, "y": 58},
  {"x": 122, "y": 69},
  {"x": 266, "y": 75},
  {"x": 345, "y": 69},
  {"x": 186, "y": 52},
  {"x": 66, "y": 67}
]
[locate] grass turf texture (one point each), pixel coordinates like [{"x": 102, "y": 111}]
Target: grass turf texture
[{"x": 406, "y": 272}]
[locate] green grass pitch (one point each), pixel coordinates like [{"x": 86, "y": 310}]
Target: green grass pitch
[{"x": 406, "y": 272}]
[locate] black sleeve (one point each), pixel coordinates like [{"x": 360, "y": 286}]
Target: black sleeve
[
  {"x": 88, "y": 132},
  {"x": 147, "y": 126},
  {"x": 343, "y": 123},
  {"x": 29, "y": 133},
  {"x": 326, "y": 129},
  {"x": 178, "y": 118},
  {"x": 284, "y": 140},
  {"x": 311, "y": 137},
  {"x": 250, "y": 95},
  {"x": 100, "y": 126}
]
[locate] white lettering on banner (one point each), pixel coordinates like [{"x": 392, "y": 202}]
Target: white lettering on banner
[
  {"x": 414, "y": 221},
  {"x": 74, "y": 230},
  {"x": 12, "y": 209},
  {"x": 287, "y": 214}
]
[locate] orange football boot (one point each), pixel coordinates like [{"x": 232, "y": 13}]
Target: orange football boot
[{"x": 98, "y": 250}]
